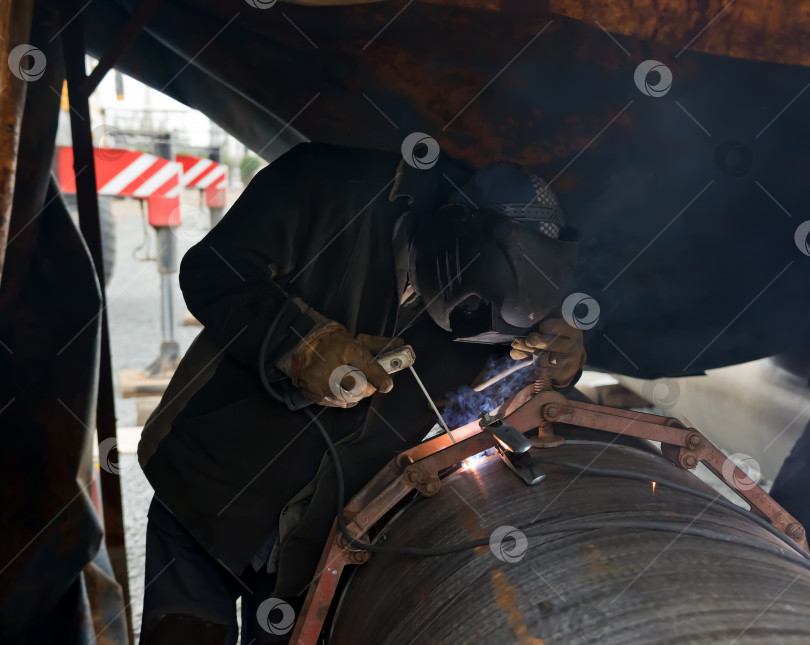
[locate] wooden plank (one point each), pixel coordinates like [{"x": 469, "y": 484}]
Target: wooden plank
[
  {"x": 190, "y": 321},
  {"x": 133, "y": 383},
  {"x": 145, "y": 405}
]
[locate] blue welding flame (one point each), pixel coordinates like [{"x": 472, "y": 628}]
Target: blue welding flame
[{"x": 465, "y": 404}]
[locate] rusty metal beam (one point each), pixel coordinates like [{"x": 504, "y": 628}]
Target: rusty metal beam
[
  {"x": 766, "y": 30},
  {"x": 15, "y": 18},
  {"x": 87, "y": 199}
]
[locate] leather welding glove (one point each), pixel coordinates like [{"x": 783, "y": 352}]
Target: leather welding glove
[
  {"x": 334, "y": 369},
  {"x": 563, "y": 341}
]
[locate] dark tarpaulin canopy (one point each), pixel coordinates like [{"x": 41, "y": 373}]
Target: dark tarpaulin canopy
[{"x": 689, "y": 201}]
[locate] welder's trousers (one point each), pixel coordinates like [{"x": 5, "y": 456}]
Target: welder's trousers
[{"x": 189, "y": 597}]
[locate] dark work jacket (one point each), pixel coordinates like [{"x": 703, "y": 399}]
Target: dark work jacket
[{"x": 321, "y": 223}]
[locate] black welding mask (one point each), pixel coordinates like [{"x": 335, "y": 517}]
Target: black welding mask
[{"x": 490, "y": 274}]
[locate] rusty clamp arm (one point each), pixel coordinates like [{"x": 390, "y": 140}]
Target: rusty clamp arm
[
  {"x": 417, "y": 468},
  {"x": 684, "y": 446}
]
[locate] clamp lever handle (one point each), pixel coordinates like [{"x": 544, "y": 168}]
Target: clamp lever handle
[{"x": 506, "y": 436}]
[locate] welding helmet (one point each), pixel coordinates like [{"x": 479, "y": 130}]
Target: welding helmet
[{"x": 492, "y": 263}]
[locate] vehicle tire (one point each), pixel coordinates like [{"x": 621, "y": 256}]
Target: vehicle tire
[{"x": 107, "y": 223}]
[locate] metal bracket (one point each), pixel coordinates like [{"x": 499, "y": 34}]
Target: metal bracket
[
  {"x": 684, "y": 446},
  {"x": 524, "y": 466},
  {"x": 509, "y": 439}
]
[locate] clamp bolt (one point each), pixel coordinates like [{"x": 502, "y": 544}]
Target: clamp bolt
[
  {"x": 551, "y": 411},
  {"x": 431, "y": 488},
  {"x": 693, "y": 441},
  {"x": 690, "y": 461},
  {"x": 795, "y": 531}
]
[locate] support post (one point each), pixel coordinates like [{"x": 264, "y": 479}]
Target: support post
[
  {"x": 15, "y": 20},
  {"x": 217, "y": 212},
  {"x": 169, "y": 355}
]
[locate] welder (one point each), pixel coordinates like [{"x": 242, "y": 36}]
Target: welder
[{"x": 330, "y": 256}]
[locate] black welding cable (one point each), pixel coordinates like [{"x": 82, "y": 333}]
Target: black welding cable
[
  {"x": 341, "y": 494},
  {"x": 341, "y": 503},
  {"x": 577, "y": 526},
  {"x": 680, "y": 529},
  {"x": 666, "y": 483},
  {"x": 718, "y": 501},
  {"x": 263, "y": 353},
  {"x": 339, "y": 480},
  {"x": 574, "y": 526}
]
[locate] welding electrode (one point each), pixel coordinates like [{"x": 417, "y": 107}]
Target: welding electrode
[{"x": 432, "y": 404}]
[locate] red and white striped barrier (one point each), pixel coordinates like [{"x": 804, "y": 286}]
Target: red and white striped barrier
[
  {"x": 207, "y": 175},
  {"x": 141, "y": 175},
  {"x": 131, "y": 174}
]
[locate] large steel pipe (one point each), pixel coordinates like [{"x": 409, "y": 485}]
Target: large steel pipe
[{"x": 609, "y": 557}]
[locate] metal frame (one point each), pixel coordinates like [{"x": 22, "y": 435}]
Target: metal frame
[
  {"x": 123, "y": 39},
  {"x": 80, "y": 86}
]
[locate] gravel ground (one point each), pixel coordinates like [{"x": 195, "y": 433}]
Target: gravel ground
[
  {"x": 137, "y": 495},
  {"x": 134, "y": 314},
  {"x": 133, "y": 295}
]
